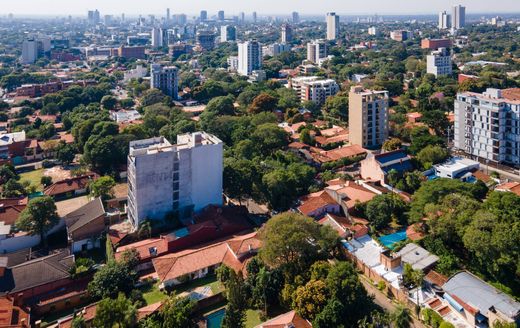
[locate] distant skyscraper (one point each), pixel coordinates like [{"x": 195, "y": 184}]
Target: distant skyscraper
[
  {"x": 168, "y": 17},
  {"x": 249, "y": 57},
  {"x": 93, "y": 17},
  {"x": 206, "y": 39},
  {"x": 287, "y": 35},
  {"x": 203, "y": 15},
  {"x": 29, "y": 51},
  {"x": 164, "y": 79},
  {"x": 254, "y": 17},
  {"x": 242, "y": 17},
  {"x": 458, "y": 17},
  {"x": 295, "y": 17},
  {"x": 220, "y": 15},
  {"x": 228, "y": 33},
  {"x": 332, "y": 26},
  {"x": 444, "y": 20}
]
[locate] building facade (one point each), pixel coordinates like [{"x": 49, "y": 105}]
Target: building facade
[
  {"x": 228, "y": 33},
  {"x": 164, "y": 79},
  {"x": 438, "y": 63},
  {"x": 249, "y": 57},
  {"x": 444, "y": 20},
  {"x": 487, "y": 125},
  {"x": 316, "y": 50},
  {"x": 29, "y": 51},
  {"x": 287, "y": 34},
  {"x": 332, "y": 26},
  {"x": 312, "y": 88},
  {"x": 368, "y": 117},
  {"x": 182, "y": 178},
  {"x": 458, "y": 17}
]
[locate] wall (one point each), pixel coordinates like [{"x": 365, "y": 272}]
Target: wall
[{"x": 206, "y": 175}]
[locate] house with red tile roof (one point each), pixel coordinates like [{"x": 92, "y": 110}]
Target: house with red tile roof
[
  {"x": 70, "y": 187},
  {"x": 513, "y": 187},
  {"x": 177, "y": 268},
  {"x": 10, "y": 209},
  {"x": 376, "y": 167},
  {"x": 13, "y": 316},
  {"x": 346, "y": 227},
  {"x": 290, "y": 319},
  {"x": 317, "y": 204}
]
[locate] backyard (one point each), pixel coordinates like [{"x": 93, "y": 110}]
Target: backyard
[{"x": 34, "y": 178}]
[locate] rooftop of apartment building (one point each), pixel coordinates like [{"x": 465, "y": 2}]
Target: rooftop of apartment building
[
  {"x": 511, "y": 95},
  {"x": 161, "y": 144},
  {"x": 366, "y": 92}
]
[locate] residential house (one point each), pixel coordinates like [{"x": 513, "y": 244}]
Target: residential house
[
  {"x": 44, "y": 283},
  {"x": 70, "y": 187},
  {"x": 86, "y": 225},
  {"x": 10, "y": 209},
  {"x": 417, "y": 257},
  {"x": 512, "y": 186},
  {"x": 319, "y": 156},
  {"x": 456, "y": 168},
  {"x": 347, "y": 227},
  {"x": 212, "y": 223},
  {"x": 376, "y": 167},
  {"x": 477, "y": 302},
  {"x": 177, "y": 268},
  {"x": 290, "y": 319},
  {"x": 12, "y": 315}
]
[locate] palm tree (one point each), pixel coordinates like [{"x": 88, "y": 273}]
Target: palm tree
[
  {"x": 401, "y": 317},
  {"x": 145, "y": 230}
]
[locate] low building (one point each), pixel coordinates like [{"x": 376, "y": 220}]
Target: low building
[
  {"x": 86, "y": 225},
  {"x": 401, "y": 35},
  {"x": 177, "y": 268},
  {"x": 290, "y": 319},
  {"x": 70, "y": 187},
  {"x": 478, "y": 302},
  {"x": 12, "y": 315},
  {"x": 125, "y": 115},
  {"x": 417, "y": 257},
  {"x": 456, "y": 168},
  {"x": 434, "y": 44},
  {"x": 376, "y": 167},
  {"x": 513, "y": 187}
]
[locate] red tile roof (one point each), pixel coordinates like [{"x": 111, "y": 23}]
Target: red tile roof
[
  {"x": 12, "y": 315},
  {"x": 315, "y": 201},
  {"x": 10, "y": 209},
  {"x": 414, "y": 232},
  {"x": 70, "y": 185},
  {"x": 289, "y": 319}
]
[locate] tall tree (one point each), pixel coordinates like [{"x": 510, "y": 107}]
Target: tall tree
[
  {"x": 119, "y": 312},
  {"x": 39, "y": 217},
  {"x": 235, "y": 310}
]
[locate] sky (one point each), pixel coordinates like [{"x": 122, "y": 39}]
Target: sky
[{"x": 233, "y": 7}]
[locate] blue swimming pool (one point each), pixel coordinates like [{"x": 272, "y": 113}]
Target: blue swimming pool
[
  {"x": 390, "y": 240},
  {"x": 214, "y": 320}
]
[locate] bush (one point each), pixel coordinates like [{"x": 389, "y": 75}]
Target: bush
[{"x": 446, "y": 324}]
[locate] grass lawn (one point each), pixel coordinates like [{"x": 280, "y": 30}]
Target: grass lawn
[
  {"x": 152, "y": 294},
  {"x": 211, "y": 280},
  {"x": 252, "y": 318},
  {"x": 34, "y": 178}
]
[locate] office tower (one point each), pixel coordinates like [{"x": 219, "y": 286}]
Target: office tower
[
  {"x": 168, "y": 17},
  {"x": 249, "y": 57},
  {"x": 368, "y": 117},
  {"x": 123, "y": 17},
  {"x": 458, "y": 17},
  {"x": 401, "y": 35},
  {"x": 287, "y": 35},
  {"x": 93, "y": 17},
  {"x": 295, "y": 17},
  {"x": 228, "y": 33},
  {"x": 157, "y": 37},
  {"x": 487, "y": 125},
  {"x": 316, "y": 50},
  {"x": 332, "y": 26},
  {"x": 181, "y": 19},
  {"x": 164, "y": 79},
  {"x": 254, "y": 17},
  {"x": 242, "y": 17},
  {"x": 178, "y": 179},
  {"x": 438, "y": 63},
  {"x": 220, "y": 15},
  {"x": 29, "y": 51},
  {"x": 206, "y": 40},
  {"x": 203, "y": 15},
  {"x": 444, "y": 20},
  {"x": 312, "y": 88}
]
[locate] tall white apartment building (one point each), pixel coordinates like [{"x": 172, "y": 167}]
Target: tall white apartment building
[
  {"x": 332, "y": 26},
  {"x": 182, "y": 178},
  {"x": 228, "y": 33},
  {"x": 316, "y": 50},
  {"x": 487, "y": 125},
  {"x": 158, "y": 37},
  {"x": 249, "y": 57},
  {"x": 275, "y": 49},
  {"x": 164, "y": 79},
  {"x": 287, "y": 34},
  {"x": 438, "y": 63},
  {"x": 444, "y": 20},
  {"x": 458, "y": 17},
  {"x": 373, "y": 31},
  {"x": 312, "y": 88},
  {"x": 367, "y": 117},
  {"x": 232, "y": 62},
  {"x": 29, "y": 51}
]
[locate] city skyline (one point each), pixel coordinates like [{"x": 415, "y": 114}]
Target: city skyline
[{"x": 305, "y": 7}]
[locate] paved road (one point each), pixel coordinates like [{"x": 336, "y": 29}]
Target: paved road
[{"x": 384, "y": 302}]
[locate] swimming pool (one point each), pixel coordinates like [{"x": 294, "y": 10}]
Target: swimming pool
[
  {"x": 214, "y": 320},
  {"x": 390, "y": 240}
]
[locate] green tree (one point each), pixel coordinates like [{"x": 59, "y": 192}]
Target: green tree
[
  {"x": 239, "y": 177},
  {"x": 431, "y": 155},
  {"x": 221, "y": 106},
  {"x": 264, "y": 102},
  {"x": 235, "y": 309},
  {"x": 79, "y": 322},
  {"x": 392, "y": 144},
  {"x": 102, "y": 187},
  {"x": 401, "y": 317},
  {"x": 109, "y": 102},
  {"x": 382, "y": 208},
  {"x": 311, "y": 299},
  {"x": 305, "y": 137},
  {"x": 111, "y": 279},
  {"x": 294, "y": 239},
  {"x": 39, "y": 217},
  {"x": 119, "y": 312},
  {"x": 178, "y": 312},
  {"x": 65, "y": 153}
]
